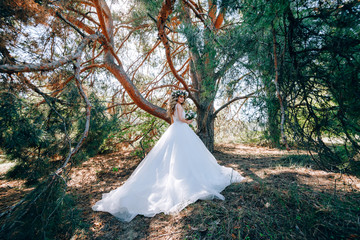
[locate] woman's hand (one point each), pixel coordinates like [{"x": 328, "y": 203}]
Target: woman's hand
[{"x": 189, "y": 121}]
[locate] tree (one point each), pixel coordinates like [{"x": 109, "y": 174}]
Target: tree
[
  {"x": 210, "y": 54},
  {"x": 312, "y": 59},
  {"x": 214, "y": 48}
]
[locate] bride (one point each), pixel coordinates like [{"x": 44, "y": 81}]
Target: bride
[{"x": 178, "y": 171}]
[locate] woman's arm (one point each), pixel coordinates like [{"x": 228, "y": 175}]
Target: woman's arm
[{"x": 180, "y": 114}]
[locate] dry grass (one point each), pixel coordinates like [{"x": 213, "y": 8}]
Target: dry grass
[{"x": 284, "y": 197}]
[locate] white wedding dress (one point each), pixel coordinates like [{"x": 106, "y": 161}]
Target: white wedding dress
[{"x": 178, "y": 171}]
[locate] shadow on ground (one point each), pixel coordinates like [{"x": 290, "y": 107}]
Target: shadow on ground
[{"x": 284, "y": 196}]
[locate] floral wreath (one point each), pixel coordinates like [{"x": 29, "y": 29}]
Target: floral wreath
[{"x": 178, "y": 93}]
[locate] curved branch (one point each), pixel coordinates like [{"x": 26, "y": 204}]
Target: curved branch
[
  {"x": 162, "y": 86},
  {"x": 129, "y": 34},
  {"x": 8, "y": 68},
  {"x": 58, "y": 14},
  {"x": 87, "y": 3},
  {"x": 146, "y": 57},
  {"x": 120, "y": 74},
  {"x": 88, "y": 112},
  {"x": 92, "y": 59},
  {"x": 117, "y": 69},
  {"x": 164, "y": 13},
  {"x": 195, "y": 9},
  {"x": 84, "y": 15},
  {"x": 26, "y": 81},
  {"x": 99, "y": 11},
  {"x": 231, "y": 101},
  {"x": 80, "y": 24}
]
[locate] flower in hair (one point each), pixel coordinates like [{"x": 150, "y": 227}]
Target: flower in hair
[{"x": 178, "y": 93}]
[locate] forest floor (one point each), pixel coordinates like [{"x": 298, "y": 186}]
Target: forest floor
[{"x": 284, "y": 196}]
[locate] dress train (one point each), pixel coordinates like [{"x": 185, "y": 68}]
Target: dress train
[{"x": 178, "y": 171}]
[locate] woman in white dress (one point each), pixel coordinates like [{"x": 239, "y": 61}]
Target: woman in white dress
[{"x": 178, "y": 171}]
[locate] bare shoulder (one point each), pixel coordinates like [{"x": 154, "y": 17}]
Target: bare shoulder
[{"x": 178, "y": 106}]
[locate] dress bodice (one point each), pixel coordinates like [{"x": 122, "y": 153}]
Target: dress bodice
[{"x": 176, "y": 115}]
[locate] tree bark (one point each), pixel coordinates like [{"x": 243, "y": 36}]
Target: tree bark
[
  {"x": 282, "y": 110},
  {"x": 120, "y": 74},
  {"x": 205, "y": 128}
]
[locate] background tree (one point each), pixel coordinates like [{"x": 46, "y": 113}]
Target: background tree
[
  {"x": 214, "y": 48},
  {"x": 308, "y": 54}
]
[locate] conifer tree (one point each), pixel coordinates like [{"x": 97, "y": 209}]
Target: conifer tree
[{"x": 316, "y": 48}]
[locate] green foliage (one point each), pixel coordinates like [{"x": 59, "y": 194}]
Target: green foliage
[
  {"x": 327, "y": 81},
  {"x": 272, "y": 132},
  {"x": 22, "y": 137},
  {"x": 317, "y": 46},
  {"x": 46, "y": 213},
  {"x": 139, "y": 132},
  {"x": 218, "y": 54},
  {"x": 101, "y": 126},
  {"x": 36, "y": 137}
]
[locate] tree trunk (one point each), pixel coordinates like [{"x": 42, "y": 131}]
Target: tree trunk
[
  {"x": 205, "y": 128},
  {"x": 272, "y": 133}
]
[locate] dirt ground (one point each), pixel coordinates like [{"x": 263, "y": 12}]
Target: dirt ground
[{"x": 103, "y": 173}]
